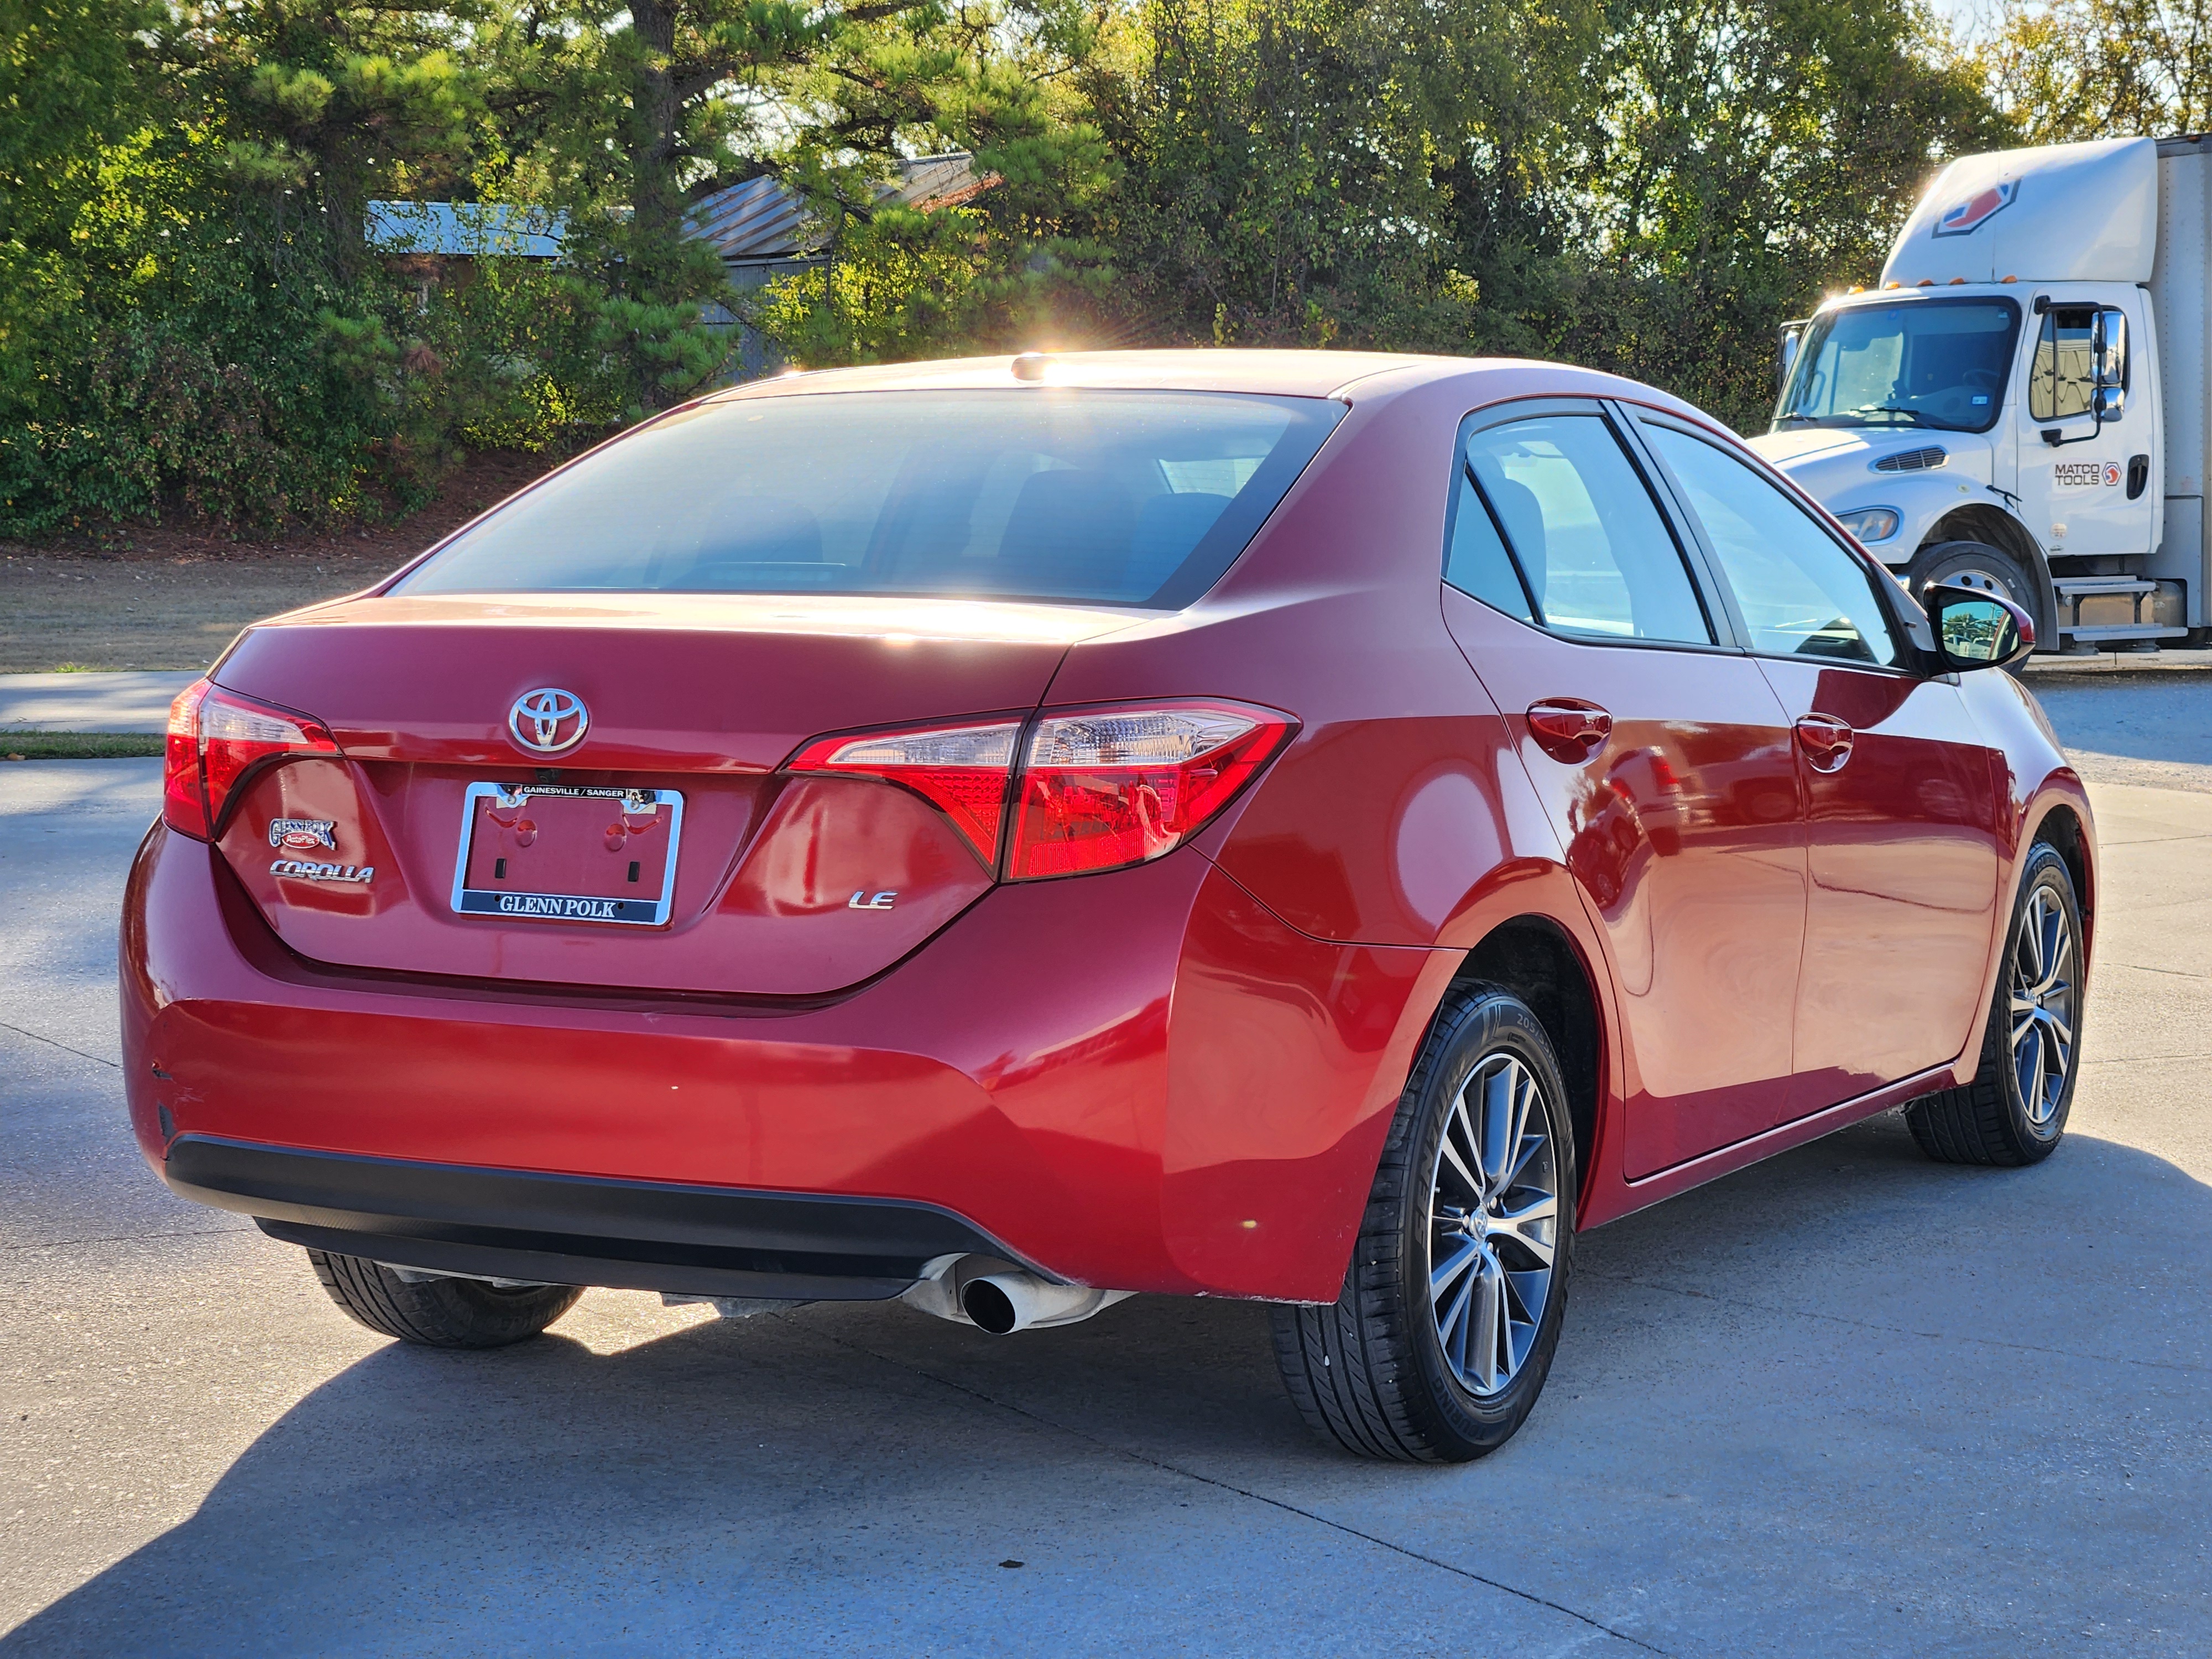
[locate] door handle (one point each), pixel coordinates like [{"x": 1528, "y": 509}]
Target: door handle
[
  {"x": 1568, "y": 729},
  {"x": 1826, "y": 740}
]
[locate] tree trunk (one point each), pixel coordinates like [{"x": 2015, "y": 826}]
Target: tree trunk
[{"x": 655, "y": 113}]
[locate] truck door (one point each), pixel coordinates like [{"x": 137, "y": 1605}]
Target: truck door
[{"x": 2084, "y": 481}]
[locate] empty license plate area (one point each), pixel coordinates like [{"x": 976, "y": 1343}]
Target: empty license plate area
[{"x": 557, "y": 852}]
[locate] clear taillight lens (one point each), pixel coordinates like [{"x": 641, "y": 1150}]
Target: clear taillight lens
[
  {"x": 1105, "y": 787},
  {"x": 959, "y": 770},
  {"x": 217, "y": 736}
]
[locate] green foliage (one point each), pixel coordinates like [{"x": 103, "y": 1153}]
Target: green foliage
[
  {"x": 191, "y": 320},
  {"x": 2062, "y": 70},
  {"x": 1752, "y": 156},
  {"x": 1018, "y": 262}
]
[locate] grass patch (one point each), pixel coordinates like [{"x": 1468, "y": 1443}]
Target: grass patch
[{"x": 79, "y": 745}]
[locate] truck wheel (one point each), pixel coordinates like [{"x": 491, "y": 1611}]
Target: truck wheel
[
  {"x": 439, "y": 1313},
  {"x": 1977, "y": 565},
  {"x": 1437, "y": 1347}
]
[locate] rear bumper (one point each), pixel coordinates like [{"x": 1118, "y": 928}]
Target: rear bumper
[
  {"x": 573, "y": 1230},
  {"x": 1142, "y": 1081}
]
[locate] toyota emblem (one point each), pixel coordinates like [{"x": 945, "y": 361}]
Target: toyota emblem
[{"x": 548, "y": 721}]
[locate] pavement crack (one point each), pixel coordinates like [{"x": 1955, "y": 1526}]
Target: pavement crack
[
  {"x": 2176, "y": 972},
  {"x": 98, "y": 1060},
  {"x": 2143, "y": 1060},
  {"x": 125, "y": 1238},
  {"x": 1215, "y": 1481},
  {"x": 1893, "y": 1330}
]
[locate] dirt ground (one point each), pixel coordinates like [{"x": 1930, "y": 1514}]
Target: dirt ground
[{"x": 173, "y": 595}]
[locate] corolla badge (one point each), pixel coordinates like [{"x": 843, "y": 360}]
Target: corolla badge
[
  {"x": 303, "y": 835},
  {"x": 548, "y": 721},
  {"x": 303, "y": 869}
]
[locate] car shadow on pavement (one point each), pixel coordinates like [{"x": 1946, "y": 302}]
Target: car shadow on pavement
[{"x": 1771, "y": 1391}]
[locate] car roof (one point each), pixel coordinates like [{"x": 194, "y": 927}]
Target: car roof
[
  {"x": 1283, "y": 373},
  {"x": 1295, "y": 373}
]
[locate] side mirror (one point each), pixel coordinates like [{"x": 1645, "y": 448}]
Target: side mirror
[
  {"x": 1785, "y": 358},
  {"x": 1976, "y": 629},
  {"x": 2108, "y": 362},
  {"x": 2108, "y": 344}
]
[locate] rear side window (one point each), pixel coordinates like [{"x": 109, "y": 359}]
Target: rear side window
[
  {"x": 1554, "y": 526},
  {"x": 1801, "y": 594},
  {"x": 1136, "y": 498}
]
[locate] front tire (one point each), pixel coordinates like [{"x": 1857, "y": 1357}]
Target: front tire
[
  {"x": 2015, "y": 1110},
  {"x": 1439, "y": 1343},
  {"x": 439, "y": 1313},
  {"x": 1986, "y": 570}
]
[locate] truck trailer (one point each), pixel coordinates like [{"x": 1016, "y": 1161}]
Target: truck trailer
[{"x": 2021, "y": 404}]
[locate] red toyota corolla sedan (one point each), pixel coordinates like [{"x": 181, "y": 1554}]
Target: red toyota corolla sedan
[{"x": 1308, "y": 827}]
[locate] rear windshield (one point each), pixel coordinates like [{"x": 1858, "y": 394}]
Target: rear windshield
[{"x": 1135, "y": 498}]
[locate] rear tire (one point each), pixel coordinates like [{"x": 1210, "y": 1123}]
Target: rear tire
[
  {"x": 439, "y": 1313},
  {"x": 1475, "y": 1195},
  {"x": 2015, "y": 1110}
]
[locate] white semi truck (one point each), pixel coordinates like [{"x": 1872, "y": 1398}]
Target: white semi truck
[{"x": 2022, "y": 404}]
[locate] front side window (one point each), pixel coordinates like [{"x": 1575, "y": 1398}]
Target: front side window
[
  {"x": 2063, "y": 376},
  {"x": 1136, "y": 498},
  {"x": 1801, "y": 594},
  {"x": 1937, "y": 364},
  {"x": 1554, "y": 526}
]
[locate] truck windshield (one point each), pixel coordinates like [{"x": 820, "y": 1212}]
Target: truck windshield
[{"x": 1936, "y": 364}]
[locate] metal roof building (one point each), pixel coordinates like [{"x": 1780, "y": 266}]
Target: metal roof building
[
  {"x": 760, "y": 222},
  {"x": 467, "y": 230},
  {"x": 760, "y": 228}
]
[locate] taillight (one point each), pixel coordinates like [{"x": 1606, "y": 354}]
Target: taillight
[
  {"x": 1096, "y": 789},
  {"x": 215, "y": 737},
  {"x": 1111, "y": 786},
  {"x": 959, "y": 770},
  {"x": 184, "y": 802}
]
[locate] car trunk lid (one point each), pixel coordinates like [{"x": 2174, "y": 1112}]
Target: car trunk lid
[{"x": 777, "y": 883}]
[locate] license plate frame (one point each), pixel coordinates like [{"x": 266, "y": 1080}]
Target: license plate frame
[{"x": 498, "y": 903}]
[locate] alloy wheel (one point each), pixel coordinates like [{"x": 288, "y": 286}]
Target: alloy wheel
[
  {"x": 1493, "y": 1224},
  {"x": 2042, "y": 1003}
]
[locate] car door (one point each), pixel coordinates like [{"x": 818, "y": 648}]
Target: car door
[
  {"x": 1901, "y": 791},
  {"x": 1660, "y": 751}
]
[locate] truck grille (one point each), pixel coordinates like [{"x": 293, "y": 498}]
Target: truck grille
[{"x": 1914, "y": 460}]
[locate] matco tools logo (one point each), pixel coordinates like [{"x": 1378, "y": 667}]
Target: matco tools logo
[
  {"x": 2085, "y": 475},
  {"x": 548, "y": 721}
]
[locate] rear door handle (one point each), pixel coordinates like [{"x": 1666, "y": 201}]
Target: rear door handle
[
  {"x": 1568, "y": 729},
  {"x": 1826, "y": 740}
]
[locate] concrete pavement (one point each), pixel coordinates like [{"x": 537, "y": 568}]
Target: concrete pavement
[
  {"x": 137, "y": 702},
  {"x": 1845, "y": 1402}
]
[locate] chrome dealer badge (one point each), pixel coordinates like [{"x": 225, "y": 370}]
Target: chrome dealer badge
[{"x": 304, "y": 835}]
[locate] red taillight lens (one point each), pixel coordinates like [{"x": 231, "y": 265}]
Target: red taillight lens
[
  {"x": 1112, "y": 787},
  {"x": 1099, "y": 788},
  {"x": 184, "y": 799},
  {"x": 959, "y": 770},
  {"x": 216, "y": 737}
]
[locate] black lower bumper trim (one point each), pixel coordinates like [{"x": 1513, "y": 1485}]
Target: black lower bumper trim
[{"x": 576, "y": 1229}]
